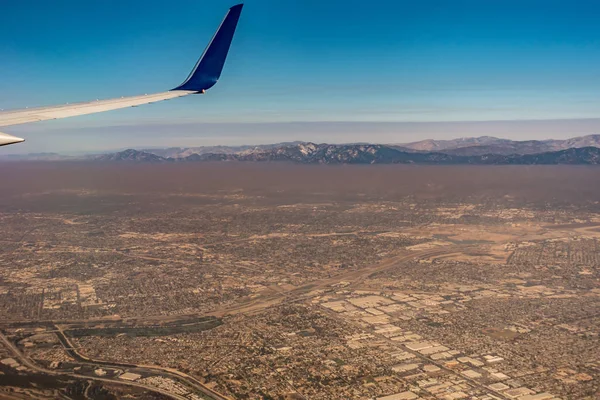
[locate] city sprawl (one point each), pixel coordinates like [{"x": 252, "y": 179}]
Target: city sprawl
[{"x": 221, "y": 281}]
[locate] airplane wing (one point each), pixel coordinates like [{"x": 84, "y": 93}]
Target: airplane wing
[{"x": 205, "y": 75}]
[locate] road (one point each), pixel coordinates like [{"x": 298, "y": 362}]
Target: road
[
  {"x": 309, "y": 290},
  {"x": 302, "y": 293},
  {"x": 170, "y": 372},
  {"x": 424, "y": 358},
  {"x": 257, "y": 305},
  {"x": 34, "y": 367}
]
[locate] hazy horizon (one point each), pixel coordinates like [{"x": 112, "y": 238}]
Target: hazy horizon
[
  {"x": 392, "y": 77},
  {"x": 43, "y": 137}
]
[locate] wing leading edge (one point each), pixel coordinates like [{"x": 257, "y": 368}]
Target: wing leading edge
[{"x": 205, "y": 75}]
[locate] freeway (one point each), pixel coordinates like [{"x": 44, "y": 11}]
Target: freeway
[
  {"x": 302, "y": 293},
  {"x": 318, "y": 287},
  {"x": 34, "y": 367},
  {"x": 355, "y": 277},
  {"x": 170, "y": 372}
]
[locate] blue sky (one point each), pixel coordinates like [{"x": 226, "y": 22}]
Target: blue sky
[{"x": 326, "y": 71}]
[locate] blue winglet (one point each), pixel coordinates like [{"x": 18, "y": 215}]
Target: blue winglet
[{"x": 208, "y": 68}]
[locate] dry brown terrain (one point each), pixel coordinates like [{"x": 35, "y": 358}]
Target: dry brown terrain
[{"x": 309, "y": 282}]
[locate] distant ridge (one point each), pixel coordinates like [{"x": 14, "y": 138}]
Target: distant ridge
[
  {"x": 461, "y": 147},
  {"x": 439, "y": 145},
  {"x": 182, "y": 152},
  {"x": 130, "y": 155},
  {"x": 491, "y": 145},
  {"x": 310, "y": 153},
  {"x": 479, "y": 150}
]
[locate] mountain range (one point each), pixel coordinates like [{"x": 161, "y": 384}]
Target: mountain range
[
  {"x": 481, "y": 150},
  {"x": 310, "y": 153},
  {"x": 460, "y": 147},
  {"x": 491, "y": 145},
  {"x": 181, "y": 152}
]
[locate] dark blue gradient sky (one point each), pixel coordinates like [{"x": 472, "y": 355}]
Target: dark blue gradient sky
[{"x": 303, "y": 61}]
